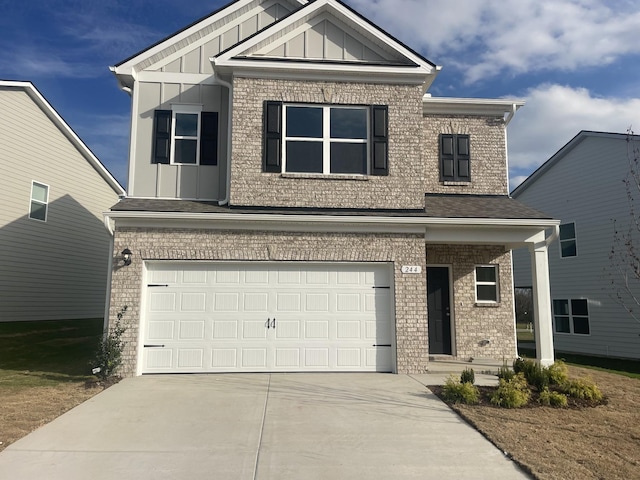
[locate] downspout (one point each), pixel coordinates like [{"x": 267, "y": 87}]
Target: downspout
[
  {"x": 107, "y": 300},
  {"x": 229, "y": 86},
  {"x": 507, "y": 120}
]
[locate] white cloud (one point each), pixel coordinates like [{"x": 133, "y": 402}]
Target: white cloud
[
  {"x": 515, "y": 36},
  {"x": 554, "y": 114}
]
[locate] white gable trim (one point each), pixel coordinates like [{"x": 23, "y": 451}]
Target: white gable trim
[
  {"x": 227, "y": 58},
  {"x": 67, "y": 131},
  {"x": 126, "y": 68}
]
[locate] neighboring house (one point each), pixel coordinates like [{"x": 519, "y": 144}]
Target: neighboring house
[
  {"x": 297, "y": 203},
  {"x": 54, "y": 246},
  {"x": 582, "y": 185}
]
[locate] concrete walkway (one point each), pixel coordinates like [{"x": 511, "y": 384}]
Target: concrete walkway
[{"x": 259, "y": 426}]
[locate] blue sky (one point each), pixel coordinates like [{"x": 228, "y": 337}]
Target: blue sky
[{"x": 575, "y": 62}]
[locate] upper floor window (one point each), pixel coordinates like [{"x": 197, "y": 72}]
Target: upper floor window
[
  {"x": 487, "y": 283},
  {"x": 325, "y": 139},
  {"x": 39, "y": 201},
  {"x": 185, "y": 136},
  {"x": 571, "y": 316},
  {"x": 568, "y": 245},
  {"x": 455, "y": 159}
]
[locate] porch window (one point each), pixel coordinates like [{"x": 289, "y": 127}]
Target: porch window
[
  {"x": 568, "y": 245},
  {"x": 487, "y": 284},
  {"x": 571, "y": 316}
]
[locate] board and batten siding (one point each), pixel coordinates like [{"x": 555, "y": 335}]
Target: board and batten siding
[
  {"x": 585, "y": 187},
  {"x": 55, "y": 269},
  {"x": 155, "y": 180}
]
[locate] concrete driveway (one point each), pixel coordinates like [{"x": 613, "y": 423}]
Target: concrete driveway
[{"x": 259, "y": 426}]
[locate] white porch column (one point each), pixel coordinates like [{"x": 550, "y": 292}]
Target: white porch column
[{"x": 542, "y": 303}]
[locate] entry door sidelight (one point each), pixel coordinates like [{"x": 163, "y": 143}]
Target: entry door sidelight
[{"x": 439, "y": 310}]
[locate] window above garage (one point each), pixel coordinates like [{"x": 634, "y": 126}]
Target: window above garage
[{"x": 325, "y": 139}]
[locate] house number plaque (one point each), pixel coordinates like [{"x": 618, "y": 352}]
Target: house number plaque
[{"x": 411, "y": 269}]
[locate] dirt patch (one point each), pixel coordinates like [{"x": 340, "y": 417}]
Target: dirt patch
[
  {"x": 26, "y": 409},
  {"x": 576, "y": 443}
]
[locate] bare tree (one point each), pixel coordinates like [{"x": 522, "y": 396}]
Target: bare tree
[{"x": 624, "y": 257}]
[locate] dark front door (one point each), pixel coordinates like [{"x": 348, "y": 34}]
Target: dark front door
[{"x": 439, "y": 311}]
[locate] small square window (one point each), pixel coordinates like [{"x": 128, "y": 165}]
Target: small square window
[
  {"x": 487, "y": 284},
  {"x": 39, "y": 205},
  {"x": 571, "y": 316}
]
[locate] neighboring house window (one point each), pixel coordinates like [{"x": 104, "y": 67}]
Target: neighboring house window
[
  {"x": 185, "y": 136},
  {"x": 325, "y": 139},
  {"x": 39, "y": 201},
  {"x": 571, "y": 316},
  {"x": 568, "y": 246},
  {"x": 487, "y": 283},
  {"x": 455, "y": 159}
]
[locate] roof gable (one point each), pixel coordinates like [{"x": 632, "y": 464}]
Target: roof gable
[
  {"x": 325, "y": 31},
  {"x": 66, "y": 130}
]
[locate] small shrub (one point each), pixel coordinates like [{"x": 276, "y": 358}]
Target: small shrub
[
  {"x": 538, "y": 376},
  {"x": 558, "y": 373},
  {"x": 468, "y": 376},
  {"x": 513, "y": 393},
  {"x": 553, "y": 399},
  {"x": 109, "y": 355},
  {"x": 458, "y": 392},
  {"x": 519, "y": 364},
  {"x": 505, "y": 373},
  {"x": 584, "y": 389}
]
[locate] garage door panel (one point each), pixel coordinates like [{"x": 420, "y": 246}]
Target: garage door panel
[{"x": 214, "y": 318}]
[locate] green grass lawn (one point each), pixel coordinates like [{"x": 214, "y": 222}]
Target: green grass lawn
[
  {"x": 628, "y": 368},
  {"x": 47, "y": 352}
]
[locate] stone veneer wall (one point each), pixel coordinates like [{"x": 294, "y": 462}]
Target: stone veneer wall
[
  {"x": 193, "y": 244},
  {"x": 488, "y": 155},
  {"x": 476, "y": 322},
  {"x": 403, "y": 188}
]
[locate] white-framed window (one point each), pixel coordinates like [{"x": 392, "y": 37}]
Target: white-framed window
[
  {"x": 487, "y": 284},
  {"x": 325, "y": 139},
  {"x": 39, "y": 205},
  {"x": 185, "y": 134},
  {"x": 571, "y": 316},
  {"x": 568, "y": 244}
]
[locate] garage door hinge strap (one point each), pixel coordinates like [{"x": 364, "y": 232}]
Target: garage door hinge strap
[
  {"x": 154, "y": 346},
  {"x": 157, "y": 285},
  {"x": 380, "y": 287},
  {"x": 381, "y": 345}
]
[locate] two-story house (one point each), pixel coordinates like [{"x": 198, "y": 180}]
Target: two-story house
[
  {"x": 54, "y": 247},
  {"x": 594, "y": 296},
  {"x": 297, "y": 201}
]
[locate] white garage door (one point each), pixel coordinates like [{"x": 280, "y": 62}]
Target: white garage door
[{"x": 267, "y": 317}]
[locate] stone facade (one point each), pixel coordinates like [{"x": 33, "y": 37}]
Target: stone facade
[
  {"x": 200, "y": 244},
  {"x": 487, "y": 149},
  {"x": 403, "y": 188},
  {"x": 474, "y": 323}
]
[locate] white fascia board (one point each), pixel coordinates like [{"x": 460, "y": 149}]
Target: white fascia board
[
  {"x": 293, "y": 69},
  {"x": 469, "y": 106},
  {"x": 67, "y": 131},
  {"x": 485, "y": 235},
  {"x": 226, "y": 58},
  {"x": 280, "y": 218}
]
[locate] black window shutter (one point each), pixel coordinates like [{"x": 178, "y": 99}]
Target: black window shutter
[
  {"x": 379, "y": 140},
  {"x": 272, "y": 147},
  {"x": 161, "y": 136},
  {"x": 455, "y": 160},
  {"x": 209, "y": 138},
  {"x": 463, "y": 159},
  {"x": 447, "y": 158}
]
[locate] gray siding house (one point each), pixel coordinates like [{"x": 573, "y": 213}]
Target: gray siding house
[
  {"x": 582, "y": 185},
  {"x": 297, "y": 201},
  {"x": 54, "y": 246}
]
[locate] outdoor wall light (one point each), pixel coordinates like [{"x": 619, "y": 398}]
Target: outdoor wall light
[{"x": 126, "y": 256}]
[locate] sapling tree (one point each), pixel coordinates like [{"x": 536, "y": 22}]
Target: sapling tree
[{"x": 624, "y": 257}]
